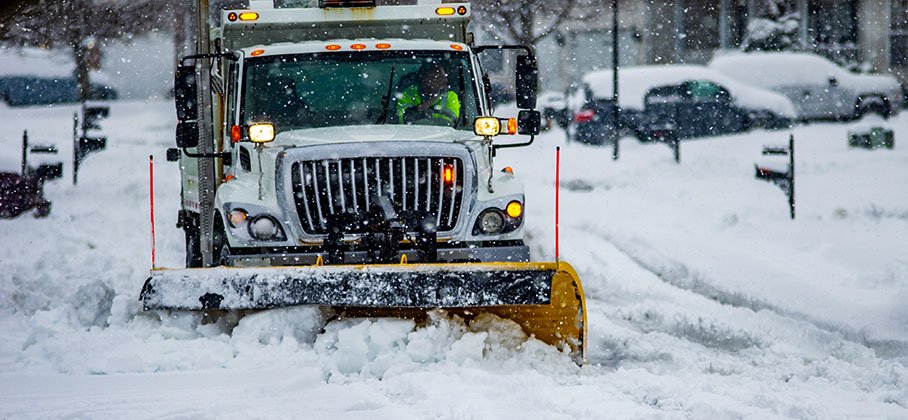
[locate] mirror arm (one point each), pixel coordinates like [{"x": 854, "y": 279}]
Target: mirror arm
[
  {"x": 228, "y": 55},
  {"x": 507, "y": 146},
  {"x": 480, "y": 48},
  {"x": 222, "y": 155}
]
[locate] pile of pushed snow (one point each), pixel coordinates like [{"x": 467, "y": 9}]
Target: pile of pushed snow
[
  {"x": 374, "y": 346},
  {"x": 97, "y": 333},
  {"x": 635, "y": 82}
]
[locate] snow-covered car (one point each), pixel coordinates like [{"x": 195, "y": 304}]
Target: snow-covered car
[
  {"x": 591, "y": 104},
  {"x": 30, "y": 90},
  {"x": 819, "y": 88},
  {"x": 41, "y": 77}
]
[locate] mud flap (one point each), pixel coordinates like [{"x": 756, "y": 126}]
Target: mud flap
[{"x": 546, "y": 299}]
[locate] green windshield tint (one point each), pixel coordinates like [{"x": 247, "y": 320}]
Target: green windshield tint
[{"x": 336, "y": 89}]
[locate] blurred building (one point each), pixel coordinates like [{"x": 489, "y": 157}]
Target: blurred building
[{"x": 871, "y": 32}]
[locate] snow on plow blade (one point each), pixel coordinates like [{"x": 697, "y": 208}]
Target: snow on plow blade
[{"x": 546, "y": 299}]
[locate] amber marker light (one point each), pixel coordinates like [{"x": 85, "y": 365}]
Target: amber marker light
[
  {"x": 257, "y": 53},
  {"x": 448, "y": 174},
  {"x": 358, "y": 46},
  {"x": 444, "y": 11},
  {"x": 508, "y": 170},
  {"x": 249, "y": 16},
  {"x": 332, "y": 47},
  {"x": 462, "y": 10},
  {"x": 237, "y": 217},
  {"x": 512, "y": 126},
  {"x": 236, "y": 133},
  {"x": 383, "y": 46},
  {"x": 456, "y": 47},
  {"x": 232, "y": 16},
  {"x": 261, "y": 132},
  {"x": 514, "y": 209},
  {"x": 486, "y": 126}
]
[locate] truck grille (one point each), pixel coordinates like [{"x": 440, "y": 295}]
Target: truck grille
[{"x": 322, "y": 188}]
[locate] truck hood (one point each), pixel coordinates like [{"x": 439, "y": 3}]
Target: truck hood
[{"x": 367, "y": 133}]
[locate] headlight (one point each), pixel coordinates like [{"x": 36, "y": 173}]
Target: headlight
[
  {"x": 491, "y": 221},
  {"x": 486, "y": 126},
  {"x": 261, "y": 133},
  {"x": 264, "y": 228}
]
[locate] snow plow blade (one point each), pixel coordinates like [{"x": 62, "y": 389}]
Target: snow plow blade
[{"x": 546, "y": 299}]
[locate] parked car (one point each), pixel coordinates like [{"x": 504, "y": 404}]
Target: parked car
[
  {"x": 553, "y": 107},
  {"x": 33, "y": 76},
  {"x": 30, "y": 90},
  {"x": 819, "y": 88},
  {"x": 740, "y": 107}
]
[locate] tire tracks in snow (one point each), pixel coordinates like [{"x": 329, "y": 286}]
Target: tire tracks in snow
[{"x": 681, "y": 276}]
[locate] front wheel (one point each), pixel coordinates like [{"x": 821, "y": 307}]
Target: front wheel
[{"x": 193, "y": 248}]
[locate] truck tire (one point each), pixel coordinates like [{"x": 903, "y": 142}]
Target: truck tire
[
  {"x": 193, "y": 248},
  {"x": 219, "y": 245}
]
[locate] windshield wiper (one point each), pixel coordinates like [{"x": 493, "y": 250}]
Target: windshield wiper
[{"x": 386, "y": 100}]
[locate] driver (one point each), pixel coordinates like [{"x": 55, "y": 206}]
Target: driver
[{"x": 429, "y": 101}]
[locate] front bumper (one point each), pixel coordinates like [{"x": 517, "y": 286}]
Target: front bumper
[{"x": 510, "y": 251}]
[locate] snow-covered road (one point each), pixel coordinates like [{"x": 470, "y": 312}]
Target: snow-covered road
[{"x": 705, "y": 300}]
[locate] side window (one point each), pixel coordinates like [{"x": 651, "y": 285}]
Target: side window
[
  {"x": 703, "y": 90},
  {"x": 231, "y": 95}
]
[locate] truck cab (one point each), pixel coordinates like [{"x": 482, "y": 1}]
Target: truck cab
[{"x": 352, "y": 135}]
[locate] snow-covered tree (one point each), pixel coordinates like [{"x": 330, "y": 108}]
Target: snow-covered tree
[
  {"x": 80, "y": 26},
  {"x": 776, "y": 29},
  {"x": 522, "y": 21}
]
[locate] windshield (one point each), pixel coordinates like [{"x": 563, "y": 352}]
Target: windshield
[{"x": 384, "y": 87}]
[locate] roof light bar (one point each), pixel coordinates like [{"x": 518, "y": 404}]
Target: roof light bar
[{"x": 346, "y": 3}]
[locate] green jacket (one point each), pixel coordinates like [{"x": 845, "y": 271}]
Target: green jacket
[{"x": 445, "y": 111}]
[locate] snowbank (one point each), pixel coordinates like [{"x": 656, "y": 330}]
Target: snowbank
[{"x": 634, "y": 82}]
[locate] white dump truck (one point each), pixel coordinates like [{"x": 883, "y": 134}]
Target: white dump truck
[{"x": 353, "y": 153}]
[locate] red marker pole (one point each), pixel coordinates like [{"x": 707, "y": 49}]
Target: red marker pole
[
  {"x": 557, "y": 199},
  {"x": 151, "y": 199}
]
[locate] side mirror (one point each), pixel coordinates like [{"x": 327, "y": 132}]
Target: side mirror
[
  {"x": 173, "y": 154},
  {"x": 187, "y": 134},
  {"x": 527, "y": 81},
  {"x": 529, "y": 122},
  {"x": 833, "y": 82},
  {"x": 184, "y": 92}
]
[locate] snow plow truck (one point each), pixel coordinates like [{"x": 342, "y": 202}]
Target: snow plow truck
[{"x": 343, "y": 156}]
